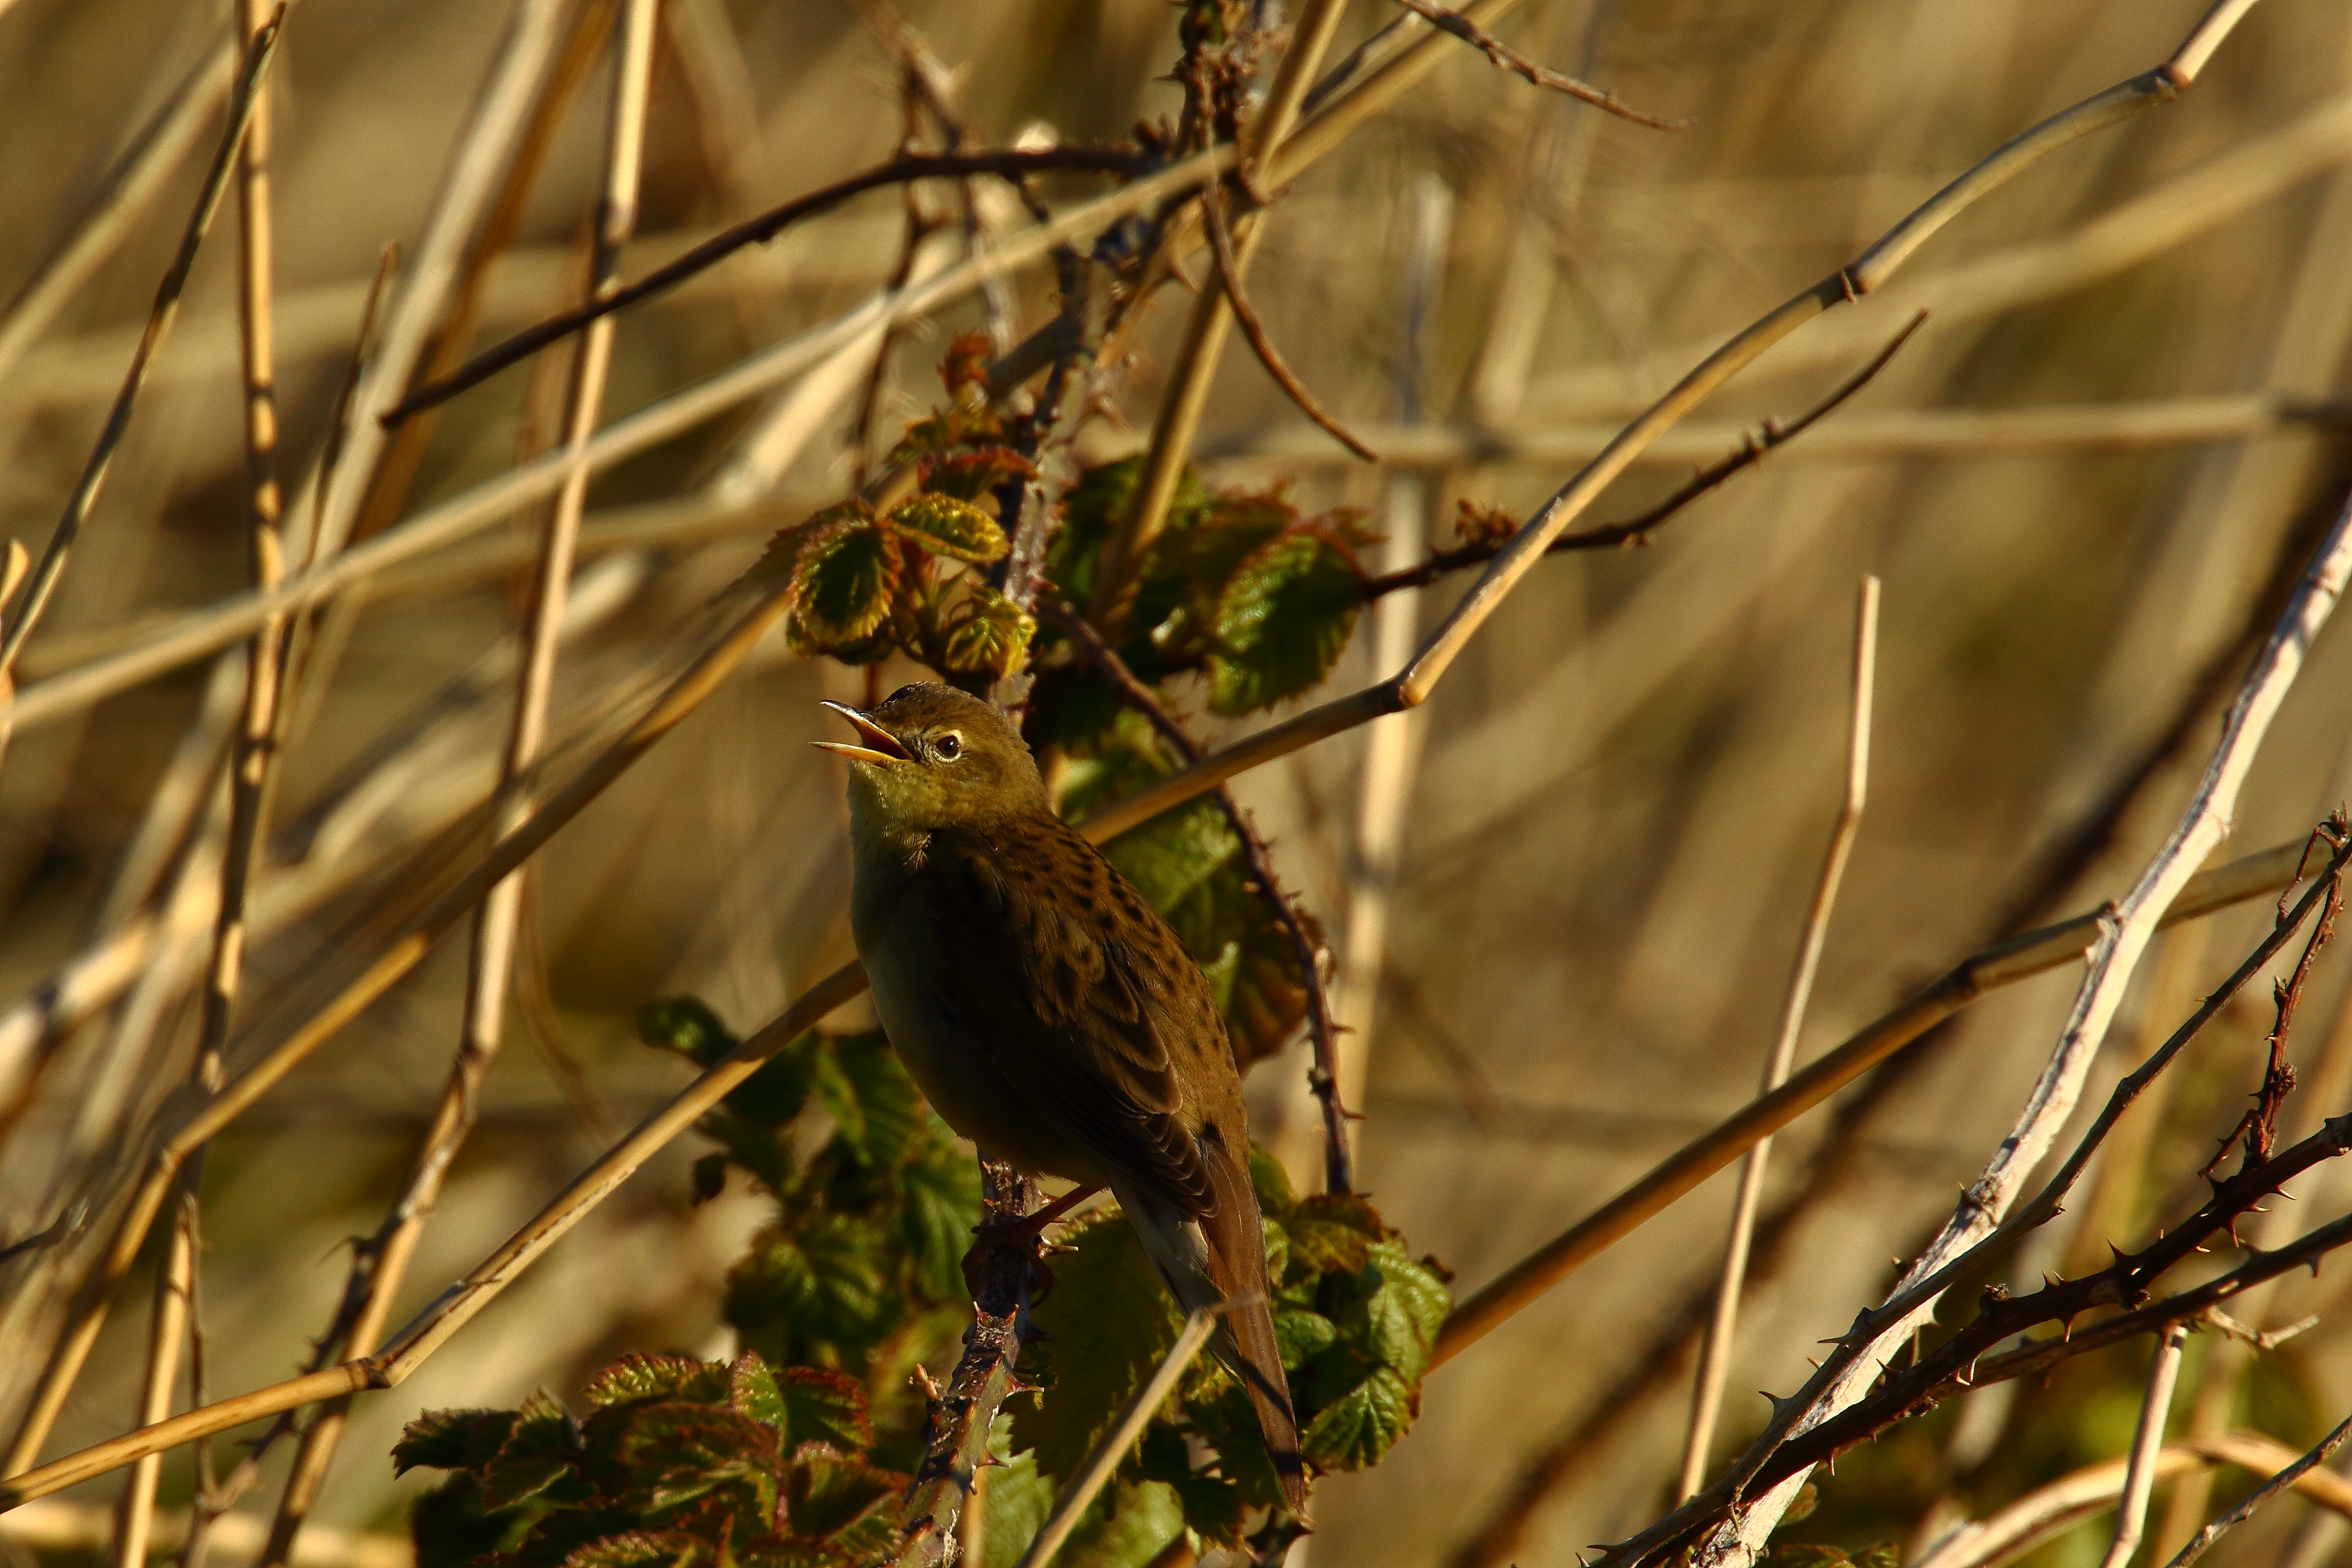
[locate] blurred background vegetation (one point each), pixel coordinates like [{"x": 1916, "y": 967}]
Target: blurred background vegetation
[{"x": 1616, "y": 803}]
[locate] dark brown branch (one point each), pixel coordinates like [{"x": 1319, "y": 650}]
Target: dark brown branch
[
  {"x": 1511, "y": 60},
  {"x": 1001, "y": 1270},
  {"x": 1751, "y": 451},
  {"x": 1229, "y": 274},
  {"x": 1339, "y": 1167},
  {"x": 1009, "y": 165}
]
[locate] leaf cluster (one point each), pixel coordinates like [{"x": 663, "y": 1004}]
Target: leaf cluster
[
  {"x": 1356, "y": 1315},
  {"x": 861, "y": 1268},
  {"x": 865, "y": 584},
  {"x": 1241, "y": 587},
  {"x": 678, "y": 1463}
]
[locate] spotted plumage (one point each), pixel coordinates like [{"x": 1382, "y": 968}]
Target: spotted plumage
[{"x": 1049, "y": 1013}]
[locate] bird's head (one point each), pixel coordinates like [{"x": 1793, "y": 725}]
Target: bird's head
[{"x": 930, "y": 756}]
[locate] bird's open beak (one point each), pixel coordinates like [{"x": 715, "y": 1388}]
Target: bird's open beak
[{"x": 886, "y": 751}]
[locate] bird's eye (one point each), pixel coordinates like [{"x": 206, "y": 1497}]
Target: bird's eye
[{"x": 947, "y": 747}]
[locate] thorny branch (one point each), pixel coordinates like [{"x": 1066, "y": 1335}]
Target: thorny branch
[
  {"x": 1001, "y": 1270},
  {"x": 1517, "y": 64},
  {"x": 1751, "y": 451},
  {"x": 1010, "y": 164},
  {"x": 1306, "y": 947},
  {"x": 1900, "y": 1396}
]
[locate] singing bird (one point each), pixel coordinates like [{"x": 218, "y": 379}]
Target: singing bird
[{"x": 1049, "y": 1014}]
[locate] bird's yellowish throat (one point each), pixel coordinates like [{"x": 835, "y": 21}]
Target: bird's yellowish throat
[{"x": 1050, "y": 1015}]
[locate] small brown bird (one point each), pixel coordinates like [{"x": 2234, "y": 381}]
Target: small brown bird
[{"x": 1051, "y": 1015}]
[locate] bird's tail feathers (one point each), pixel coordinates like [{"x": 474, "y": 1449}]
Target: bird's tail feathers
[{"x": 1219, "y": 1261}]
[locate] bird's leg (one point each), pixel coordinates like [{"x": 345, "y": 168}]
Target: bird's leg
[{"x": 1001, "y": 1231}]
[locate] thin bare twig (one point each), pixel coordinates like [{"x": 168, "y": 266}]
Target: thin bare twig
[
  {"x": 1410, "y": 686},
  {"x": 1010, "y": 163},
  {"x": 26, "y": 614},
  {"x": 1845, "y": 1378},
  {"x": 2140, "y": 1475},
  {"x": 1461, "y": 27},
  {"x": 1229, "y": 274},
  {"x": 2005, "y": 964},
  {"x": 1752, "y": 449},
  {"x": 1714, "y": 1352},
  {"x": 380, "y": 1265},
  {"x": 2041, "y": 1513},
  {"x": 2204, "y": 1538}
]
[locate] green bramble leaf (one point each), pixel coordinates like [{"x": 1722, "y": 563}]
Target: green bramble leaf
[
  {"x": 824, "y": 1407},
  {"x": 941, "y": 1192},
  {"x": 1332, "y": 1233},
  {"x": 753, "y": 1391},
  {"x": 946, "y": 525},
  {"x": 833, "y": 1496},
  {"x": 889, "y": 1107},
  {"x": 1019, "y": 1501},
  {"x": 1130, "y": 1525},
  {"x": 641, "y": 1549},
  {"x": 788, "y": 545},
  {"x": 843, "y": 584},
  {"x": 509, "y": 1482},
  {"x": 1303, "y": 1335},
  {"x": 992, "y": 636},
  {"x": 637, "y": 1377},
  {"x": 687, "y": 1026},
  {"x": 1357, "y": 1429},
  {"x": 451, "y": 1439},
  {"x": 1283, "y": 620},
  {"x": 1406, "y": 1313},
  {"x": 1219, "y": 1412},
  {"x": 679, "y": 1451},
  {"x": 1213, "y": 1505},
  {"x": 1270, "y": 1180},
  {"x": 1108, "y": 1321},
  {"x": 973, "y": 476}
]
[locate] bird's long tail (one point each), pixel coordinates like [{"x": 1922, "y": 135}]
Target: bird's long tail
[{"x": 1220, "y": 1257}]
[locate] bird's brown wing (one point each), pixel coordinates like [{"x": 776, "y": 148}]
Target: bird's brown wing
[{"x": 1080, "y": 994}]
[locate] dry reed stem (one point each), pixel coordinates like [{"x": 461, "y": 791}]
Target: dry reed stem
[
  {"x": 397, "y": 958},
  {"x": 194, "y": 634},
  {"x": 25, "y": 613},
  {"x": 2061, "y": 1504},
  {"x": 2004, "y": 963},
  {"x": 122, "y": 198},
  {"x": 1093, "y": 1474},
  {"x": 381, "y": 1267},
  {"x": 1715, "y": 1351},
  {"x": 58, "y": 1526},
  {"x": 2158, "y": 220},
  {"x": 2123, "y": 935},
  {"x": 1411, "y": 685},
  {"x": 1951, "y": 432},
  {"x": 501, "y": 114},
  {"x": 2148, "y": 1439},
  {"x": 2203, "y": 1540},
  {"x": 1459, "y": 25},
  {"x": 167, "y": 1336}
]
